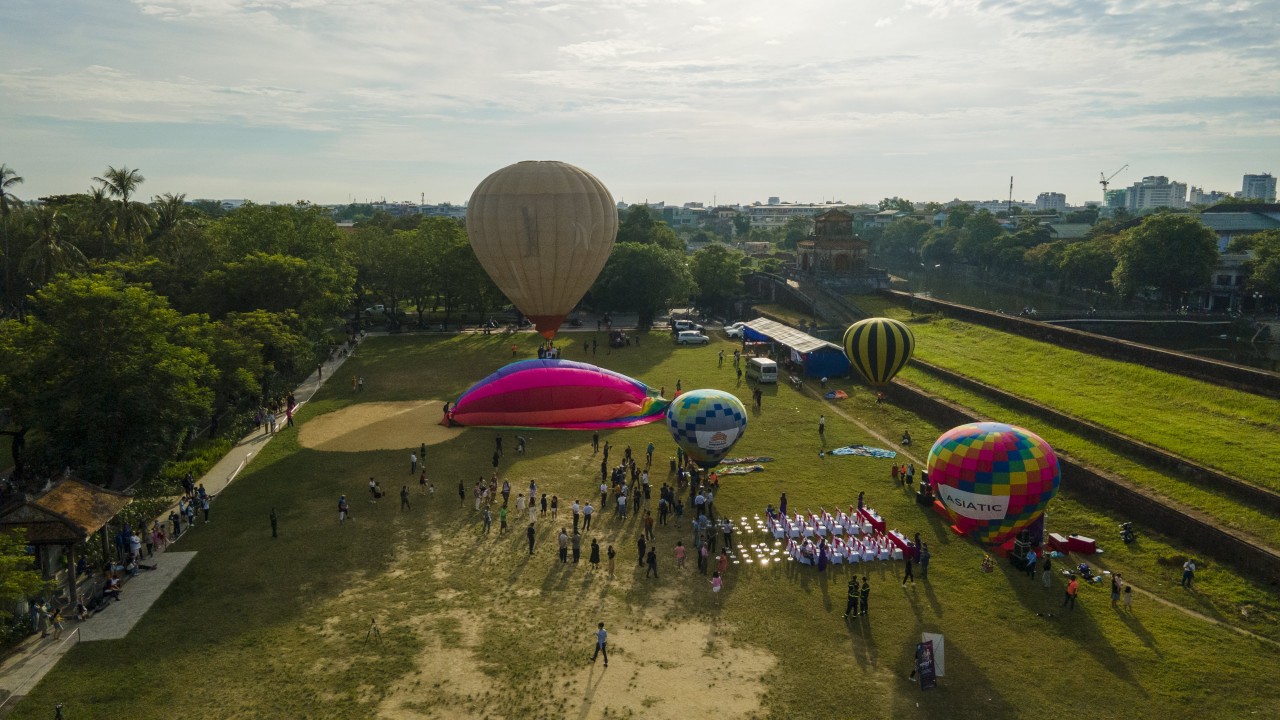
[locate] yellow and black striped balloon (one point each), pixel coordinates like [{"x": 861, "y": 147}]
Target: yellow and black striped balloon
[{"x": 878, "y": 348}]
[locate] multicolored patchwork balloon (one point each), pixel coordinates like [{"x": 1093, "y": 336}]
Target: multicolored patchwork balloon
[
  {"x": 706, "y": 424},
  {"x": 993, "y": 479},
  {"x": 878, "y": 348}
]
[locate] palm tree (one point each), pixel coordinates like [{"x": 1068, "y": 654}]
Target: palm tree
[
  {"x": 172, "y": 217},
  {"x": 132, "y": 218},
  {"x": 95, "y": 218},
  {"x": 50, "y": 254},
  {"x": 8, "y": 179}
]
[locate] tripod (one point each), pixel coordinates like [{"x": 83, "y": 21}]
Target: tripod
[{"x": 374, "y": 632}]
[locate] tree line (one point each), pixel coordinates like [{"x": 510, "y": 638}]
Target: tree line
[
  {"x": 127, "y": 325},
  {"x": 1166, "y": 254}
]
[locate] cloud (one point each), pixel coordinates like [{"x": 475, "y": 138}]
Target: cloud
[{"x": 728, "y": 82}]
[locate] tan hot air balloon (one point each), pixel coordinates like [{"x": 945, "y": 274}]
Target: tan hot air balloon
[{"x": 543, "y": 230}]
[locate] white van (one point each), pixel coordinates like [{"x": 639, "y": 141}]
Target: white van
[{"x": 763, "y": 370}]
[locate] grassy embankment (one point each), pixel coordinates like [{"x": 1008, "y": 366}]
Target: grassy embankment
[{"x": 474, "y": 627}]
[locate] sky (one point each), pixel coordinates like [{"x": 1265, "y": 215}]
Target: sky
[{"x": 733, "y": 101}]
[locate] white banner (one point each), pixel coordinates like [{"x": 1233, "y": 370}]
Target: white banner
[
  {"x": 939, "y": 666},
  {"x": 716, "y": 440},
  {"x": 973, "y": 505}
]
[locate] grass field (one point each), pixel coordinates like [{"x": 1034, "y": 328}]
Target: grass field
[
  {"x": 473, "y": 627},
  {"x": 1223, "y": 506},
  {"x": 1233, "y": 431}
]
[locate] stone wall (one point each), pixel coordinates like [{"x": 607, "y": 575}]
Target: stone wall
[
  {"x": 1098, "y": 487},
  {"x": 1240, "y": 377},
  {"x": 1212, "y": 479}
]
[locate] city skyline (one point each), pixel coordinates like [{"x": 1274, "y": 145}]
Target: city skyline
[{"x": 663, "y": 100}]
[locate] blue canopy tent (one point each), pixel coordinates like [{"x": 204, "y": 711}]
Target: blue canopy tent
[{"x": 818, "y": 357}]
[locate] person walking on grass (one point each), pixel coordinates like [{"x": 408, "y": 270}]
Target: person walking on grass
[
  {"x": 502, "y": 520},
  {"x": 602, "y": 638},
  {"x": 595, "y": 442},
  {"x": 1188, "y": 573},
  {"x": 577, "y": 546},
  {"x": 487, "y": 519},
  {"x": 413, "y": 463},
  {"x": 1044, "y": 574},
  {"x": 462, "y": 493},
  {"x": 530, "y": 534},
  {"x": 587, "y": 512},
  {"x": 404, "y": 497},
  {"x": 864, "y": 595},
  {"x": 651, "y": 560},
  {"x": 563, "y": 540},
  {"x": 611, "y": 553},
  {"x": 342, "y": 514},
  {"x": 594, "y": 557},
  {"x": 640, "y": 546}
]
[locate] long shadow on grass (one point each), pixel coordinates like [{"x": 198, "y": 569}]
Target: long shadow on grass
[{"x": 1078, "y": 625}]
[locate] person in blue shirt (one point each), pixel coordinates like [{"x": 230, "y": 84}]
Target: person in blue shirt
[{"x": 602, "y": 638}]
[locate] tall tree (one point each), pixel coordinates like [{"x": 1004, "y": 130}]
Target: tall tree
[
  {"x": 1263, "y": 266},
  {"x": 109, "y": 377},
  {"x": 643, "y": 278},
  {"x": 8, "y": 202},
  {"x": 897, "y": 203},
  {"x": 977, "y": 240},
  {"x": 51, "y": 253},
  {"x": 717, "y": 272},
  {"x": 174, "y": 218},
  {"x": 132, "y": 218},
  {"x": 901, "y": 240},
  {"x": 1172, "y": 253},
  {"x": 640, "y": 226}
]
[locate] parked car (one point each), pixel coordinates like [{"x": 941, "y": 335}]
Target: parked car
[
  {"x": 691, "y": 337},
  {"x": 734, "y": 330},
  {"x": 375, "y": 309},
  {"x": 683, "y": 325}
]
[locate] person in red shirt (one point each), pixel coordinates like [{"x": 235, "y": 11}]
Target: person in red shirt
[{"x": 1073, "y": 587}]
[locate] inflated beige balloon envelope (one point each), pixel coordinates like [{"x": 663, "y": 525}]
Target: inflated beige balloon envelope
[{"x": 543, "y": 231}]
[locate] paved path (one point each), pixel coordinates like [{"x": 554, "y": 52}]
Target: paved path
[
  {"x": 118, "y": 618},
  {"x": 28, "y": 663}
]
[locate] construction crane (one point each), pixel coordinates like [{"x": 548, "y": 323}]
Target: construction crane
[{"x": 1106, "y": 180}]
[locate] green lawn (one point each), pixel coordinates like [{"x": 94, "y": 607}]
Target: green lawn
[
  {"x": 1234, "y": 431},
  {"x": 1225, "y": 507},
  {"x": 472, "y": 626}
]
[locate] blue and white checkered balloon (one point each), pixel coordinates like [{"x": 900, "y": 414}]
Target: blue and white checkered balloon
[{"x": 706, "y": 424}]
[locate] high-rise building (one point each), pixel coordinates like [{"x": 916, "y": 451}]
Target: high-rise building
[
  {"x": 1155, "y": 191},
  {"x": 1259, "y": 187},
  {"x": 1051, "y": 201}
]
